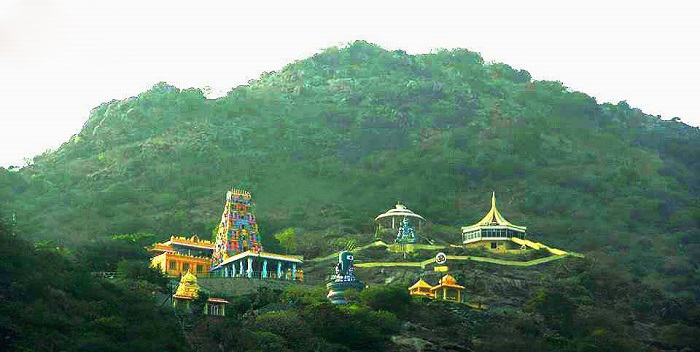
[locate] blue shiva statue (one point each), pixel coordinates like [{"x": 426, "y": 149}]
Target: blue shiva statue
[{"x": 406, "y": 234}]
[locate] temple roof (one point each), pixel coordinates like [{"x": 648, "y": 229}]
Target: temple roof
[
  {"x": 188, "y": 287},
  {"x": 447, "y": 281},
  {"x": 193, "y": 242},
  {"x": 494, "y": 218},
  {"x": 399, "y": 210},
  {"x": 420, "y": 284},
  {"x": 218, "y": 300},
  {"x": 265, "y": 255}
]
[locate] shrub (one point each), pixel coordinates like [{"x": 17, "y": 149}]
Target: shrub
[
  {"x": 287, "y": 324},
  {"x": 392, "y": 298}
]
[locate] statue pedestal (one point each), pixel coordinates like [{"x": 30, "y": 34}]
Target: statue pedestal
[{"x": 337, "y": 290}]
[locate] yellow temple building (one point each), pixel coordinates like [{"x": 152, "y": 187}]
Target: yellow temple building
[
  {"x": 180, "y": 255},
  {"x": 421, "y": 288},
  {"x": 188, "y": 291},
  {"x": 493, "y": 232},
  {"x": 447, "y": 289}
]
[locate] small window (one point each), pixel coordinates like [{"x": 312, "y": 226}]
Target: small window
[
  {"x": 185, "y": 266},
  {"x": 200, "y": 268},
  {"x": 173, "y": 265},
  {"x": 214, "y": 309},
  {"x": 494, "y": 245}
]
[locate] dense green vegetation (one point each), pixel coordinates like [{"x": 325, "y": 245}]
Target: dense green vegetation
[
  {"x": 51, "y": 302},
  {"x": 328, "y": 142},
  {"x": 580, "y": 306}
]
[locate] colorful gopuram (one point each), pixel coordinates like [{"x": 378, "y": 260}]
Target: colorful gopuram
[
  {"x": 493, "y": 232},
  {"x": 238, "y": 251},
  {"x": 188, "y": 290},
  {"x": 238, "y": 229},
  {"x": 180, "y": 255}
]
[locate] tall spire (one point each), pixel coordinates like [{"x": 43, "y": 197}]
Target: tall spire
[
  {"x": 238, "y": 230},
  {"x": 494, "y": 217}
]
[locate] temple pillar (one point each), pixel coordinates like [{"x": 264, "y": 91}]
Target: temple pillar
[
  {"x": 241, "y": 268},
  {"x": 233, "y": 270},
  {"x": 264, "y": 270},
  {"x": 294, "y": 271},
  {"x": 279, "y": 269},
  {"x": 250, "y": 267}
]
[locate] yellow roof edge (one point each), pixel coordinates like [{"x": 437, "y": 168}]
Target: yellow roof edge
[
  {"x": 438, "y": 286},
  {"x": 420, "y": 283},
  {"x": 492, "y": 215}
]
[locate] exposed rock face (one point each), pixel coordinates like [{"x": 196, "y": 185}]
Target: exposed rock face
[{"x": 420, "y": 344}]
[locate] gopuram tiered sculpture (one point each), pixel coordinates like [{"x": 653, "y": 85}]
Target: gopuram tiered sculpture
[
  {"x": 344, "y": 279},
  {"x": 238, "y": 230},
  {"x": 238, "y": 251}
]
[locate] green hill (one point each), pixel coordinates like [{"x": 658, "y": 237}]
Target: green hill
[{"x": 328, "y": 142}]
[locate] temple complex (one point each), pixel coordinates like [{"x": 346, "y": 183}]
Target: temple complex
[
  {"x": 493, "y": 232},
  {"x": 238, "y": 251},
  {"x": 188, "y": 291},
  {"x": 180, "y": 255}
]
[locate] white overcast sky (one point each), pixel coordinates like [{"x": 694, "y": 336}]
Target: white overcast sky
[{"x": 59, "y": 59}]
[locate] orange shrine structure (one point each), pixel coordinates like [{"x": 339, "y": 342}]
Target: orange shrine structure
[{"x": 447, "y": 289}]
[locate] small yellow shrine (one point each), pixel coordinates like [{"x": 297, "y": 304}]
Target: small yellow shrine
[
  {"x": 180, "y": 255},
  {"x": 421, "y": 288},
  {"x": 447, "y": 289},
  {"x": 188, "y": 290},
  {"x": 494, "y": 232}
]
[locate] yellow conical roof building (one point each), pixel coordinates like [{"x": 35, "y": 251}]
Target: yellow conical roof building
[
  {"x": 494, "y": 218},
  {"x": 188, "y": 287},
  {"x": 493, "y": 230}
]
